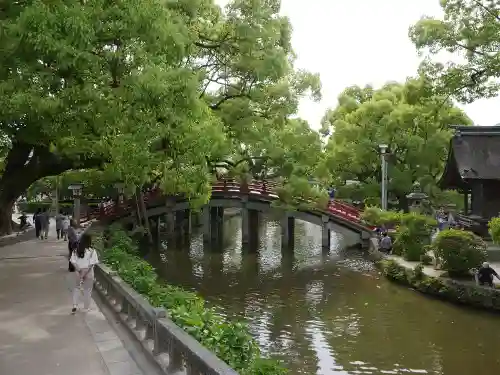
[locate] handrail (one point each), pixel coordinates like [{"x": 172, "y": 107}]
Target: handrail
[
  {"x": 256, "y": 188},
  {"x": 167, "y": 344}
]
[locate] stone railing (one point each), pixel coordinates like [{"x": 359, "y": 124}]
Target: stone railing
[{"x": 170, "y": 347}]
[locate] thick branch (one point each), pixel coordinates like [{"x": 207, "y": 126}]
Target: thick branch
[{"x": 226, "y": 98}]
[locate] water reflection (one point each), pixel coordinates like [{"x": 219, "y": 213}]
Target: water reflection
[{"x": 331, "y": 313}]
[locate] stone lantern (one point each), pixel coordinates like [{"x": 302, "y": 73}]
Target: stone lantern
[
  {"x": 77, "y": 193},
  {"x": 416, "y": 198}
]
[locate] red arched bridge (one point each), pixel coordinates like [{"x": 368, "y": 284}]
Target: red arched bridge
[{"x": 226, "y": 189}]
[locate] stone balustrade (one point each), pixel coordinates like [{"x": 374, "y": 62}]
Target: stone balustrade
[{"x": 168, "y": 345}]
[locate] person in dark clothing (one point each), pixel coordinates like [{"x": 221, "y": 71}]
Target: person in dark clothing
[
  {"x": 38, "y": 222},
  {"x": 386, "y": 243},
  {"x": 485, "y": 275},
  {"x": 45, "y": 222}
]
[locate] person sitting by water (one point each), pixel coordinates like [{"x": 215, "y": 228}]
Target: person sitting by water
[
  {"x": 485, "y": 275},
  {"x": 386, "y": 243}
]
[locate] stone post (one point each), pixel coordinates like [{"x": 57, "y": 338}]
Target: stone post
[
  {"x": 287, "y": 232},
  {"x": 325, "y": 233}
]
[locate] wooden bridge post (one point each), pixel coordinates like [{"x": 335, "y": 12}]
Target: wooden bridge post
[
  {"x": 157, "y": 221},
  {"x": 287, "y": 232},
  {"x": 325, "y": 233},
  {"x": 213, "y": 220},
  {"x": 249, "y": 227},
  {"x": 170, "y": 220},
  {"x": 183, "y": 225}
]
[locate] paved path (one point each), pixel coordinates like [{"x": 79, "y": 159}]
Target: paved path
[{"x": 38, "y": 335}]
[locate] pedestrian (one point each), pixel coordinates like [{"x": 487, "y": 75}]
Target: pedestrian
[
  {"x": 59, "y": 224},
  {"x": 45, "y": 223},
  {"x": 485, "y": 275},
  {"x": 84, "y": 258},
  {"x": 386, "y": 243},
  {"x": 72, "y": 243},
  {"x": 65, "y": 226},
  {"x": 37, "y": 222}
]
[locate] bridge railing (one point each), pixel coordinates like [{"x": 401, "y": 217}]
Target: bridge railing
[
  {"x": 262, "y": 189},
  {"x": 171, "y": 347}
]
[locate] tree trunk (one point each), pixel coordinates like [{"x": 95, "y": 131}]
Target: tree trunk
[
  {"x": 144, "y": 210},
  {"x": 26, "y": 164}
]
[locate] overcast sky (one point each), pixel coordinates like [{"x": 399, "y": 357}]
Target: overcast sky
[{"x": 361, "y": 42}]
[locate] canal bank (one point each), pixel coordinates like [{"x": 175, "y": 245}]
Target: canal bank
[{"x": 429, "y": 280}]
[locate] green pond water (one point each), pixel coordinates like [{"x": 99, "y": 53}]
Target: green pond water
[{"x": 332, "y": 313}]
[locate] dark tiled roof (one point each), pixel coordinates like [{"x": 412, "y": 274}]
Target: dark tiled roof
[{"x": 474, "y": 154}]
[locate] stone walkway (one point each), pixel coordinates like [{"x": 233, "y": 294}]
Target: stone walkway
[{"x": 38, "y": 335}]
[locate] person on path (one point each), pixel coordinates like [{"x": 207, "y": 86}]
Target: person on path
[
  {"x": 59, "y": 224},
  {"x": 72, "y": 243},
  {"x": 23, "y": 222},
  {"x": 386, "y": 243},
  {"x": 485, "y": 275},
  {"x": 65, "y": 226},
  {"x": 37, "y": 222},
  {"x": 45, "y": 223},
  {"x": 84, "y": 258}
]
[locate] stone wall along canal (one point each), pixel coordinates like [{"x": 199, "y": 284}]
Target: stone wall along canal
[{"x": 332, "y": 313}]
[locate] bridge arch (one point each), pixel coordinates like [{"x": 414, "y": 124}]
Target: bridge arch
[{"x": 252, "y": 199}]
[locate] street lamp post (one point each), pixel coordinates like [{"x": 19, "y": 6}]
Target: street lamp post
[
  {"x": 77, "y": 193},
  {"x": 383, "y": 160}
]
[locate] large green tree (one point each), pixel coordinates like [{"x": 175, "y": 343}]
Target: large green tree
[
  {"x": 408, "y": 117},
  {"x": 96, "y": 184},
  {"x": 95, "y": 84},
  {"x": 470, "y": 29}
]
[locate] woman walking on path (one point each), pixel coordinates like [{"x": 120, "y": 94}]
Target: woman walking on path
[{"x": 83, "y": 259}]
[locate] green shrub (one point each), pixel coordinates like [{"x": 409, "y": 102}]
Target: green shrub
[
  {"x": 426, "y": 259},
  {"x": 459, "y": 251},
  {"x": 494, "y": 227},
  {"x": 394, "y": 271},
  {"x": 377, "y": 217},
  {"x": 231, "y": 341},
  {"x": 413, "y": 235}
]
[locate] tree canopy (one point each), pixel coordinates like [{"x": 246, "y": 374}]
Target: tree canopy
[
  {"x": 409, "y": 117},
  {"x": 470, "y": 30},
  {"x": 97, "y": 84}
]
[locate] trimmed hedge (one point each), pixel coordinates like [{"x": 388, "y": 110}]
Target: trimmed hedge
[
  {"x": 494, "y": 228},
  {"x": 443, "y": 288},
  {"x": 459, "y": 251},
  {"x": 230, "y": 340}
]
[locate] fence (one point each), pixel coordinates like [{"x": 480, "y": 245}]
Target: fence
[
  {"x": 168, "y": 345},
  {"x": 261, "y": 189}
]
